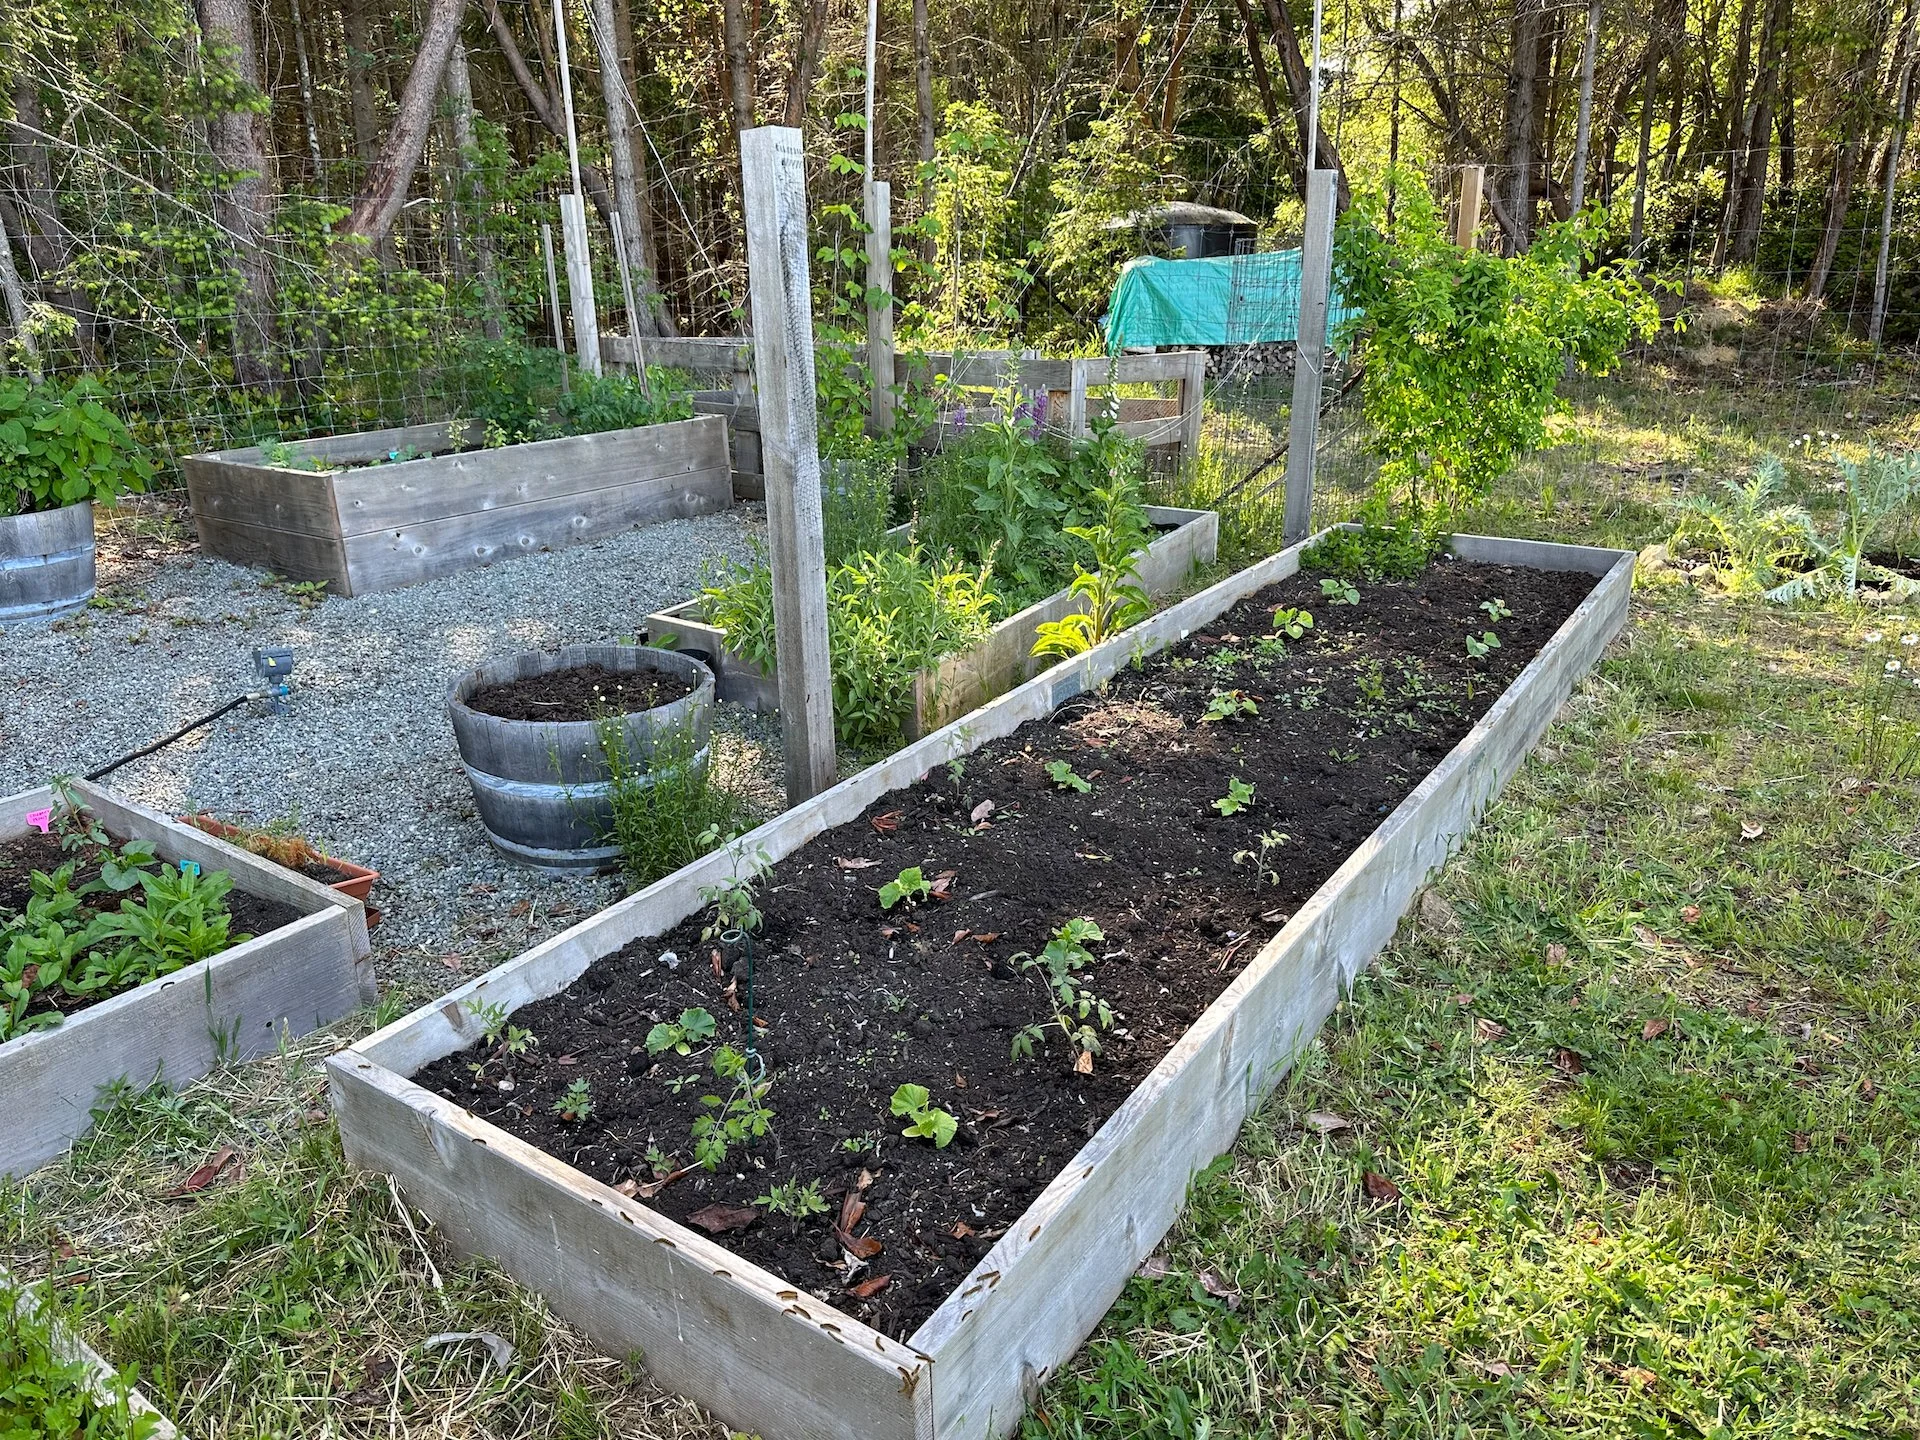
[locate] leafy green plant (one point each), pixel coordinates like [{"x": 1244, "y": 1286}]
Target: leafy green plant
[
  {"x": 1482, "y": 645},
  {"x": 733, "y": 906},
  {"x": 1753, "y": 538},
  {"x": 60, "y": 445},
  {"x": 614, "y": 401},
  {"x": 1496, "y": 609},
  {"x": 492, "y": 1017},
  {"x": 1229, "y": 705},
  {"x": 576, "y": 1104},
  {"x": 1064, "y": 777},
  {"x": 1113, "y": 600},
  {"x": 1076, "y": 1012},
  {"x": 925, "y": 1121},
  {"x": 1376, "y": 551},
  {"x": 1337, "y": 591},
  {"x": 45, "y": 1389},
  {"x": 1238, "y": 797},
  {"x": 735, "y": 1118},
  {"x": 668, "y": 808},
  {"x": 1291, "y": 624},
  {"x": 909, "y": 887},
  {"x": 1876, "y": 490},
  {"x": 694, "y": 1027},
  {"x": 795, "y": 1201},
  {"x": 1884, "y": 739},
  {"x": 1263, "y": 867}
]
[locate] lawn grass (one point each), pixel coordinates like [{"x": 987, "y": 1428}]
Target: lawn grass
[{"x": 1644, "y": 1074}]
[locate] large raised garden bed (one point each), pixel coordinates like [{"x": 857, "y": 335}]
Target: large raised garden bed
[
  {"x": 311, "y": 967},
  {"x": 968, "y": 679},
  {"x": 1003, "y": 1251},
  {"x": 377, "y": 523}
]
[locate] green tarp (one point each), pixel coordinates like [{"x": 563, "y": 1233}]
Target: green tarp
[{"x": 1230, "y": 300}]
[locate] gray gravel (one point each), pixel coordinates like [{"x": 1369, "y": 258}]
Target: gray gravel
[{"x": 364, "y": 756}]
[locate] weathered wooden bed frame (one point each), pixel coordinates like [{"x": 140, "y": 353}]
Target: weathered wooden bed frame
[
  {"x": 967, "y": 679},
  {"x": 241, "y": 1003},
  {"x": 765, "y": 1356},
  {"x": 383, "y": 526},
  {"x": 69, "y": 1348}
]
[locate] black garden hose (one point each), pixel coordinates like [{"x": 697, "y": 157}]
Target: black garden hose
[{"x": 187, "y": 729}]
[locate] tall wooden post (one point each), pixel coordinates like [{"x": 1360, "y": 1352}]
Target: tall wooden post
[
  {"x": 1309, "y": 351},
  {"x": 573, "y": 223},
  {"x": 553, "y": 298},
  {"x": 773, "y": 188},
  {"x": 880, "y": 305},
  {"x": 1466, "y": 225}
]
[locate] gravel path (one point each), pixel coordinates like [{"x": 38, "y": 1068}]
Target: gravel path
[{"x": 364, "y": 757}]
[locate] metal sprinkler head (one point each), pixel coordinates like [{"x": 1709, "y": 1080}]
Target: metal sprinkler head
[{"x": 274, "y": 665}]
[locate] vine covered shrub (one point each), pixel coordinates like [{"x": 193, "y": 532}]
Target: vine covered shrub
[
  {"x": 890, "y": 614},
  {"x": 1464, "y": 351},
  {"x": 59, "y": 445}
]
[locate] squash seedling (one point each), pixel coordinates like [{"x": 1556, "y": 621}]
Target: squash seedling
[
  {"x": 1229, "y": 705},
  {"x": 1339, "y": 592},
  {"x": 1063, "y": 776},
  {"x": 694, "y": 1027},
  {"x": 1238, "y": 797},
  {"x": 925, "y": 1121},
  {"x": 1496, "y": 609},
  {"x": 909, "y": 886}
]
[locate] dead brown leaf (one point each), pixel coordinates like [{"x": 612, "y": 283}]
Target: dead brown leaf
[
  {"x": 854, "y": 862},
  {"x": 1556, "y": 954},
  {"x": 1751, "y": 829},
  {"x": 867, "y": 1289},
  {"x": 1154, "y": 1267},
  {"x": 1567, "y": 1062},
  {"x": 960, "y": 935},
  {"x": 1462, "y": 999},
  {"x": 1689, "y": 913},
  {"x": 861, "y": 1247},
  {"x": 961, "y": 1230},
  {"x": 1325, "y": 1122},
  {"x": 1083, "y": 1063},
  {"x": 1639, "y": 1376},
  {"x": 1214, "y": 1285},
  {"x": 982, "y": 811},
  {"x": 1654, "y": 1029},
  {"x": 852, "y": 1207},
  {"x": 1801, "y": 1142},
  {"x": 988, "y": 938},
  {"x": 1485, "y": 1029},
  {"x": 201, "y": 1178},
  {"x": 719, "y": 1219},
  {"x": 1379, "y": 1186},
  {"x": 886, "y": 824}
]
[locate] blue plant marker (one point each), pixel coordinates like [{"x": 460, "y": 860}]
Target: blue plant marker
[{"x": 190, "y": 867}]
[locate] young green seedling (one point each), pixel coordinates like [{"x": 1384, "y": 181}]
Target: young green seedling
[
  {"x": 732, "y": 1121},
  {"x": 1229, "y": 705},
  {"x": 1339, "y": 592},
  {"x": 1076, "y": 1009},
  {"x": 924, "y": 1120},
  {"x": 1238, "y": 797},
  {"x": 1482, "y": 645},
  {"x": 1496, "y": 609},
  {"x": 694, "y": 1027},
  {"x": 1292, "y": 623},
  {"x": 576, "y": 1105},
  {"x": 909, "y": 886},
  {"x": 1063, "y": 777},
  {"x": 794, "y": 1200}
]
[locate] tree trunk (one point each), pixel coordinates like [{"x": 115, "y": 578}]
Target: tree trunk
[
  {"x": 807, "y": 46},
  {"x": 648, "y": 238},
  {"x": 739, "y": 43},
  {"x": 1858, "y": 83},
  {"x": 1182, "y": 36},
  {"x": 1583, "y": 126},
  {"x": 385, "y": 188},
  {"x": 244, "y": 208},
  {"x": 465, "y": 146},
  {"x": 360, "y": 61},
  {"x": 305, "y": 71},
  {"x": 1637, "y": 228},
  {"x": 1751, "y": 200},
  {"x": 1902, "y": 115},
  {"x": 1293, "y": 65},
  {"x": 15, "y": 295},
  {"x": 1522, "y": 74},
  {"x": 923, "y": 80},
  {"x": 626, "y": 197},
  {"x": 1263, "y": 83}
]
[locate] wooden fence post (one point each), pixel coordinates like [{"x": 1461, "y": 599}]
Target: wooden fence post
[
  {"x": 880, "y": 306},
  {"x": 553, "y": 298},
  {"x": 1193, "y": 405},
  {"x": 1309, "y": 352},
  {"x": 1466, "y": 225},
  {"x": 586, "y": 329},
  {"x": 773, "y": 188}
]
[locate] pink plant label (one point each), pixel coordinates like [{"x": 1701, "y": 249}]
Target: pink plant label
[{"x": 41, "y": 820}]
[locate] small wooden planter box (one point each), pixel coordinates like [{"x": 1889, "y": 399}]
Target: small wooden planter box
[
  {"x": 237, "y": 1005},
  {"x": 69, "y": 1347},
  {"x": 384, "y": 526},
  {"x": 965, "y": 680},
  {"x": 765, "y": 1356}
]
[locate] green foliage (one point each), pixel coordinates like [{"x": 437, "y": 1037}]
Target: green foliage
[
  {"x": 795, "y": 1201},
  {"x": 1112, "y": 600},
  {"x": 1229, "y": 705},
  {"x": 44, "y": 1394},
  {"x": 1884, "y": 746},
  {"x": 1373, "y": 552},
  {"x": 1877, "y": 490},
  {"x": 970, "y": 219},
  {"x": 1076, "y": 1012},
  {"x": 731, "y": 906},
  {"x": 575, "y": 1104},
  {"x": 856, "y": 498},
  {"x": 925, "y": 1121},
  {"x": 613, "y": 401},
  {"x": 72, "y": 941},
  {"x": 1464, "y": 350},
  {"x": 908, "y": 887},
  {"x": 732, "y": 1119},
  {"x": 1482, "y": 645},
  {"x": 694, "y": 1027},
  {"x": 1064, "y": 777},
  {"x": 668, "y": 809},
  {"x": 59, "y": 445},
  {"x": 1754, "y": 538},
  {"x": 1338, "y": 592},
  {"x": 1117, "y": 169},
  {"x": 890, "y": 614},
  {"x": 1239, "y": 797}
]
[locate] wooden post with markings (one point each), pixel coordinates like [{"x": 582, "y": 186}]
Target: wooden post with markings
[
  {"x": 773, "y": 187},
  {"x": 1309, "y": 351},
  {"x": 1466, "y": 224}
]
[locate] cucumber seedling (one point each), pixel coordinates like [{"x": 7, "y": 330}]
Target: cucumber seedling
[
  {"x": 1229, "y": 705},
  {"x": 925, "y": 1121},
  {"x": 1063, "y": 777},
  {"x": 908, "y": 887},
  {"x": 1238, "y": 797},
  {"x": 694, "y": 1027}
]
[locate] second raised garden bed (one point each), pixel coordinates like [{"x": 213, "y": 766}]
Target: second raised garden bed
[
  {"x": 965, "y": 681},
  {"x": 1224, "y": 952},
  {"x": 308, "y": 964}
]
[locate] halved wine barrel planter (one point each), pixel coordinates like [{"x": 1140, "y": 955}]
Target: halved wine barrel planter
[
  {"x": 389, "y": 523},
  {"x": 240, "y": 1003},
  {"x": 542, "y": 787},
  {"x": 969, "y": 678},
  {"x": 761, "y": 1350},
  {"x": 100, "y": 1375},
  {"x": 46, "y": 563}
]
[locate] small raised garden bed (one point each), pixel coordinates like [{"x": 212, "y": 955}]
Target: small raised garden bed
[
  {"x": 965, "y": 681},
  {"x": 1368, "y": 761},
  {"x": 307, "y": 965},
  {"x": 377, "y": 523},
  {"x": 293, "y": 852},
  {"x": 78, "y": 1373}
]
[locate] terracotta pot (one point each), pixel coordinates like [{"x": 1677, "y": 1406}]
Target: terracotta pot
[{"x": 357, "y": 885}]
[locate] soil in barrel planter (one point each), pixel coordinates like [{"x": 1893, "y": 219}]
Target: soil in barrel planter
[
  {"x": 581, "y": 692},
  {"x": 21, "y": 856},
  {"x": 1120, "y": 808}
]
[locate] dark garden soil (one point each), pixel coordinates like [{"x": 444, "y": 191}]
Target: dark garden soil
[
  {"x": 851, "y": 1001},
  {"x": 21, "y": 856},
  {"x": 579, "y": 693},
  {"x": 326, "y": 874}
]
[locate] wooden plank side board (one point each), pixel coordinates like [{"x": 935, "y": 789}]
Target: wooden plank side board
[
  {"x": 69, "y": 1348},
  {"x": 717, "y": 1328},
  {"x": 427, "y": 549},
  {"x": 234, "y": 1006},
  {"x": 384, "y": 526},
  {"x": 1035, "y": 1297}
]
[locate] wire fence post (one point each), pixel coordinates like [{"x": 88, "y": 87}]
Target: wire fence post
[
  {"x": 1310, "y": 352},
  {"x": 774, "y": 196},
  {"x": 553, "y": 299},
  {"x": 880, "y": 305}
]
